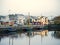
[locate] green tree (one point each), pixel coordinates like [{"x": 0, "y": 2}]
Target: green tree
[{"x": 56, "y": 20}]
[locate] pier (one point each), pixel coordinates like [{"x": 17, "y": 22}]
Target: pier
[
  {"x": 23, "y": 28},
  {"x": 30, "y": 28}
]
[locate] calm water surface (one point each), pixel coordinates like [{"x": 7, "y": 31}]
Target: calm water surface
[{"x": 30, "y": 38}]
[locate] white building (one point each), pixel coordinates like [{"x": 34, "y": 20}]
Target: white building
[
  {"x": 17, "y": 18},
  {"x": 20, "y": 19}
]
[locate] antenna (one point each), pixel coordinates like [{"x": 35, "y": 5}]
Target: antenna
[{"x": 9, "y": 11}]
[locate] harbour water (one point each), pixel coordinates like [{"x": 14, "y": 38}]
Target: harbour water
[{"x": 30, "y": 38}]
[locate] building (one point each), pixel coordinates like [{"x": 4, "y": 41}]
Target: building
[
  {"x": 4, "y": 20},
  {"x": 43, "y": 20},
  {"x": 40, "y": 20},
  {"x": 13, "y": 17},
  {"x": 20, "y": 19},
  {"x": 34, "y": 20}
]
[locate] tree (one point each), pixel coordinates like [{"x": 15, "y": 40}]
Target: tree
[{"x": 56, "y": 20}]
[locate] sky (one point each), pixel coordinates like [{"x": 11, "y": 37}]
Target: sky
[{"x": 35, "y": 7}]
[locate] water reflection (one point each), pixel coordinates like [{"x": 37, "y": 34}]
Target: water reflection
[
  {"x": 56, "y": 34},
  {"x": 30, "y": 38}
]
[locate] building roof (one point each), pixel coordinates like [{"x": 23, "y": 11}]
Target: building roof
[
  {"x": 19, "y": 14},
  {"x": 2, "y": 17},
  {"x": 33, "y": 17}
]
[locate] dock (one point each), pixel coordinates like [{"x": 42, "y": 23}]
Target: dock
[{"x": 23, "y": 28}]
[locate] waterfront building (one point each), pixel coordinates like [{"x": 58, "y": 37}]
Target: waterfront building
[
  {"x": 4, "y": 20},
  {"x": 13, "y": 17},
  {"x": 43, "y": 20},
  {"x": 20, "y": 19},
  {"x": 17, "y": 18},
  {"x": 34, "y": 20}
]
